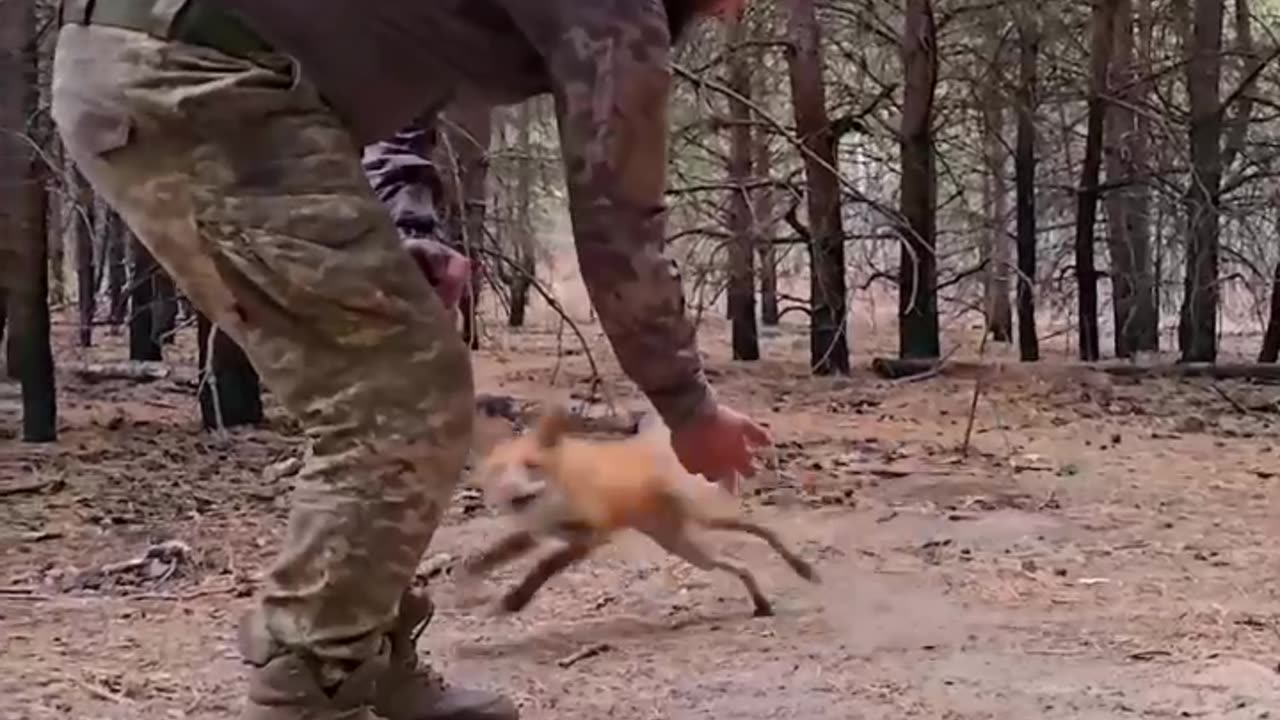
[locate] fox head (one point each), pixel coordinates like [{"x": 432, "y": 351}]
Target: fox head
[{"x": 519, "y": 471}]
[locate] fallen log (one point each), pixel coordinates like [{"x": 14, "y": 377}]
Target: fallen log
[
  {"x": 136, "y": 371},
  {"x": 898, "y": 368}
]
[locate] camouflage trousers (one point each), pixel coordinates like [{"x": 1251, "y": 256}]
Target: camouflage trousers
[{"x": 249, "y": 191}]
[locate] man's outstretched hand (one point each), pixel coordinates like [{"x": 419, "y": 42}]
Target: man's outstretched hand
[
  {"x": 448, "y": 271},
  {"x": 720, "y": 446}
]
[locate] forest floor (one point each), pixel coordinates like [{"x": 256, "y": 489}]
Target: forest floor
[{"x": 1105, "y": 549}]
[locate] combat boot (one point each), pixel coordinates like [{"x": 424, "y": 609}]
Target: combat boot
[
  {"x": 411, "y": 690},
  {"x": 287, "y": 686}
]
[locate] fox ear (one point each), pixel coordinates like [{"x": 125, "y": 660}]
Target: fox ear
[{"x": 551, "y": 427}]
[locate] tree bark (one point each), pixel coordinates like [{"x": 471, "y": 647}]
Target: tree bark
[
  {"x": 1198, "y": 323},
  {"x": 230, "y": 392},
  {"x": 143, "y": 343},
  {"x": 828, "y": 332},
  {"x": 1024, "y": 162},
  {"x": 742, "y": 241},
  {"x": 1103, "y": 23},
  {"x": 24, "y": 229},
  {"x": 918, "y": 266}
]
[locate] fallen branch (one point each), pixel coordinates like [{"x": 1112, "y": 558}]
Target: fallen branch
[
  {"x": 585, "y": 653},
  {"x": 24, "y": 488},
  {"x": 896, "y": 368},
  {"x": 136, "y": 371}
]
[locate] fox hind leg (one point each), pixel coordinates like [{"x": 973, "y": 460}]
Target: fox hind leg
[
  {"x": 798, "y": 564},
  {"x": 674, "y": 538}
]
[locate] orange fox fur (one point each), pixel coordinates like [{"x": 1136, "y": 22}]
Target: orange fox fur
[{"x": 582, "y": 491}]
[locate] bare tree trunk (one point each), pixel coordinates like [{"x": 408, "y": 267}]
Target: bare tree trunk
[
  {"x": 143, "y": 342},
  {"x": 918, "y": 266},
  {"x": 1146, "y": 320},
  {"x": 86, "y": 274},
  {"x": 1198, "y": 324},
  {"x": 1024, "y": 163},
  {"x": 24, "y": 228},
  {"x": 828, "y": 333},
  {"x": 1128, "y": 201},
  {"x": 230, "y": 392},
  {"x": 1271, "y": 340},
  {"x": 525, "y": 271},
  {"x": 994, "y": 247},
  {"x": 765, "y": 225},
  {"x": 1104, "y": 16},
  {"x": 742, "y": 241},
  {"x": 764, "y": 231},
  {"x": 1238, "y": 129}
]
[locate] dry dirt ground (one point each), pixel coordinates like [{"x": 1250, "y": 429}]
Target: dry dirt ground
[{"x": 1103, "y": 550}]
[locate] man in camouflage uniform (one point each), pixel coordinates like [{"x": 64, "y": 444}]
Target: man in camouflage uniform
[{"x": 227, "y": 134}]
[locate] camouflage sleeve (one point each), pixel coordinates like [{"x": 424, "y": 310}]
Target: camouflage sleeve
[
  {"x": 611, "y": 77},
  {"x": 405, "y": 180}
]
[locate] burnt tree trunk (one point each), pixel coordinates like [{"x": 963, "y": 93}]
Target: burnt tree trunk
[
  {"x": 1103, "y": 41},
  {"x": 230, "y": 392},
  {"x": 1024, "y": 168},
  {"x": 143, "y": 343},
  {"x": 918, "y": 266},
  {"x": 1198, "y": 321},
  {"x": 828, "y": 338},
  {"x": 1270, "y": 351},
  {"x": 24, "y": 210},
  {"x": 742, "y": 240}
]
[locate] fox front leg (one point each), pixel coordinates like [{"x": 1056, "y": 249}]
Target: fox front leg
[{"x": 548, "y": 567}]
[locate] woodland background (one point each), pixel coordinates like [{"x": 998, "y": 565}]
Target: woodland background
[{"x": 1099, "y": 177}]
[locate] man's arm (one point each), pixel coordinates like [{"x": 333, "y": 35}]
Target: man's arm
[
  {"x": 405, "y": 179},
  {"x": 611, "y": 74}
]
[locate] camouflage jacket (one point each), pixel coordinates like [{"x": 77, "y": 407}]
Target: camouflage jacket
[{"x": 607, "y": 62}]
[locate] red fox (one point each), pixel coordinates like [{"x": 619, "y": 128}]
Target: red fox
[{"x": 582, "y": 491}]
